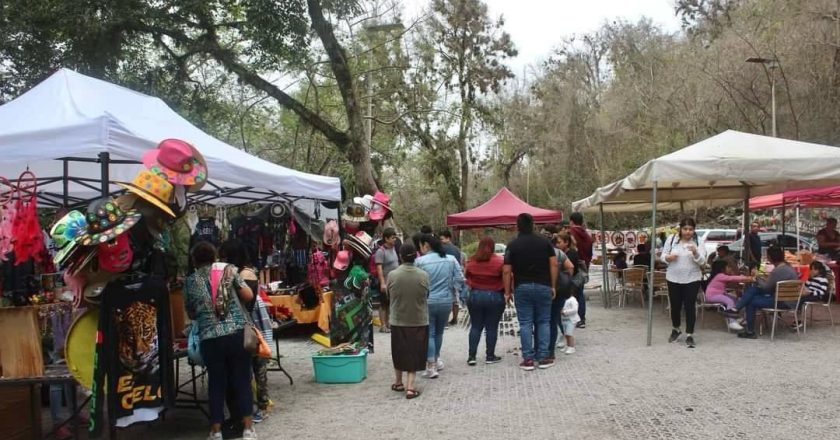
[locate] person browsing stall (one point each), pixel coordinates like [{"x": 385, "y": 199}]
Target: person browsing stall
[
  {"x": 828, "y": 239},
  {"x": 486, "y": 302},
  {"x": 408, "y": 287},
  {"x": 386, "y": 261}
]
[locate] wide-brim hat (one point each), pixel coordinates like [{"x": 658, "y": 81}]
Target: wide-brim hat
[
  {"x": 366, "y": 201},
  {"x": 382, "y": 199},
  {"x": 358, "y": 248},
  {"x": 278, "y": 210},
  {"x": 96, "y": 282},
  {"x": 355, "y": 212},
  {"x": 66, "y": 233},
  {"x": 153, "y": 188},
  {"x": 81, "y": 259},
  {"x": 179, "y": 162},
  {"x": 363, "y": 238},
  {"x": 106, "y": 221}
]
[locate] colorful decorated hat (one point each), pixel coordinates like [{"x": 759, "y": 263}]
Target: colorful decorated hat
[
  {"x": 106, "y": 221},
  {"x": 179, "y": 162},
  {"x": 355, "y": 212},
  {"x": 153, "y": 188},
  {"x": 360, "y": 243},
  {"x": 66, "y": 233}
]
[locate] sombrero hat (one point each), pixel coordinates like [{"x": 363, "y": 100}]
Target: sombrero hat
[
  {"x": 153, "y": 188},
  {"x": 106, "y": 221},
  {"x": 66, "y": 233},
  {"x": 179, "y": 162},
  {"x": 355, "y": 212},
  {"x": 360, "y": 243}
]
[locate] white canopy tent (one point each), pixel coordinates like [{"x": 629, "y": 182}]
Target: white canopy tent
[
  {"x": 72, "y": 130},
  {"x": 721, "y": 170}
]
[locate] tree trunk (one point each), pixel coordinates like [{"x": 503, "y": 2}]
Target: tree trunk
[{"x": 358, "y": 149}]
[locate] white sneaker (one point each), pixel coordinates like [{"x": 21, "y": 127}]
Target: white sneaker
[
  {"x": 249, "y": 434},
  {"x": 430, "y": 373},
  {"x": 561, "y": 344},
  {"x": 214, "y": 436},
  {"x": 569, "y": 350},
  {"x": 439, "y": 365},
  {"x": 733, "y": 325}
]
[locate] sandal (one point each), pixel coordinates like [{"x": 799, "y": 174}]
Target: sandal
[
  {"x": 398, "y": 387},
  {"x": 410, "y": 394}
]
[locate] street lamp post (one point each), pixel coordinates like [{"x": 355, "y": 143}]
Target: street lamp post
[{"x": 772, "y": 64}]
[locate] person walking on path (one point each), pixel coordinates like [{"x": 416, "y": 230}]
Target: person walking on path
[
  {"x": 530, "y": 274},
  {"x": 685, "y": 257},
  {"x": 221, "y": 323},
  {"x": 486, "y": 302},
  {"x": 583, "y": 242},
  {"x": 408, "y": 287},
  {"x": 449, "y": 248},
  {"x": 386, "y": 260},
  {"x": 446, "y": 280}
]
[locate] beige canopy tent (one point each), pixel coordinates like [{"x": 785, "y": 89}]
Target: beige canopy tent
[{"x": 721, "y": 170}]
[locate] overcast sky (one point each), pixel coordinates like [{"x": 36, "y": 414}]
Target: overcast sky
[{"x": 537, "y": 26}]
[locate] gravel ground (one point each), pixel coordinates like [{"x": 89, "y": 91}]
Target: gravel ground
[{"x": 614, "y": 387}]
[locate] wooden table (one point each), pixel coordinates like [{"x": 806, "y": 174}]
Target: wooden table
[{"x": 53, "y": 374}]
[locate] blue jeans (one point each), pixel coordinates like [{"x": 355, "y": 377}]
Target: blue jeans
[
  {"x": 753, "y": 299},
  {"x": 533, "y": 307},
  {"x": 57, "y": 391},
  {"x": 438, "y": 318},
  {"x": 486, "y": 308},
  {"x": 581, "y": 299},
  {"x": 554, "y": 323}
]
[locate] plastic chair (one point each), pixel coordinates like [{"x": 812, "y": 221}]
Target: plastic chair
[{"x": 702, "y": 305}]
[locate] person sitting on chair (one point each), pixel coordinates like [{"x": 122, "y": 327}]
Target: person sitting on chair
[{"x": 762, "y": 294}]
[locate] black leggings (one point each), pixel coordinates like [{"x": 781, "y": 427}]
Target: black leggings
[{"x": 683, "y": 296}]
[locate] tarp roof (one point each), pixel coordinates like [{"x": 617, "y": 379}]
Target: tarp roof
[
  {"x": 720, "y": 170},
  {"x": 70, "y": 115},
  {"x": 810, "y": 197},
  {"x": 501, "y": 210}
]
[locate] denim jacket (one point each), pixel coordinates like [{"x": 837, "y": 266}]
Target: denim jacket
[{"x": 445, "y": 277}]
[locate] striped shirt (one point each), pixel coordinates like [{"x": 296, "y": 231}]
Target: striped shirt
[{"x": 817, "y": 286}]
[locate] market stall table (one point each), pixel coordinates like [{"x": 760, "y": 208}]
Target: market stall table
[
  {"x": 53, "y": 374},
  {"x": 189, "y": 387},
  {"x": 318, "y": 315},
  {"x": 284, "y": 325}
]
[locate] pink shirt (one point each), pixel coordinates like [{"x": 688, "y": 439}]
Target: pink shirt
[{"x": 717, "y": 285}]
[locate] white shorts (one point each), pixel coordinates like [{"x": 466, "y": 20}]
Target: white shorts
[{"x": 568, "y": 327}]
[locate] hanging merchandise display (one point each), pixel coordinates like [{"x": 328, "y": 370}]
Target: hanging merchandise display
[
  {"x": 179, "y": 162},
  {"x": 7, "y": 215},
  {"x": 153, "y": 188},
  {"x": 66, "y": 234},
  {"x": 28, "y": 242}
]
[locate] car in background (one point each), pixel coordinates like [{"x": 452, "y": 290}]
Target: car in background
[
  {"x": 787, "y": 241},
  {"x": 500, "y": 249},
  {"x": 712, "y": 238}
]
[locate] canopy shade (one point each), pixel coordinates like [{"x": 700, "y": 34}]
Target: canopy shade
[
  {"x": 721, "y": 170},
  {"x": 73, "y": 116},
  {"x": 811, "y": 197},
  {"x": 501, "y": 210}
]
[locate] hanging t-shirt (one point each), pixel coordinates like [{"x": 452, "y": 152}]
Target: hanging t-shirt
[
  {"x": 250, "y": 231},
  {"x": 134, "y": 353},
  {"x": 206, "y": 230}
]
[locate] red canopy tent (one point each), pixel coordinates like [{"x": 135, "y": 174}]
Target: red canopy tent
[
  {"x": 501, "y": 210},
  {"x": 810, "y": 197}
]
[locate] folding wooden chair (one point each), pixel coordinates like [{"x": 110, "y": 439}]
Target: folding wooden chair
[
  {"x": 786, "y": 292},
  {"x": 634, "y": 282}
]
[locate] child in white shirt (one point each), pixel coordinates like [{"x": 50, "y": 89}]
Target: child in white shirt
[{"x": 568, "y": 318}]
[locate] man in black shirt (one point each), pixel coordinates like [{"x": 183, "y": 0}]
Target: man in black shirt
[
  {"x": 530, "y": 272},
  {"x": 753, "y": 246}
]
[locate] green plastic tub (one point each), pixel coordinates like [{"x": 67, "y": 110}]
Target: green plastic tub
[{"x": 340, "y": 368}]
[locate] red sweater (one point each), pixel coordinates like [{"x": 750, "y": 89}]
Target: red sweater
[{"x": 485, "y": 275}]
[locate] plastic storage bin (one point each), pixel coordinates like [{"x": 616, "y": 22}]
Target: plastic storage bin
[{"x": 340, "y": 368}]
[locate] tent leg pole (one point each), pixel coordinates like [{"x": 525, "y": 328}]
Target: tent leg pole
[
  {"x": 746, "y": 228},
  {"x": 65, "y": 200},
  {"x": 798, "y": 244},
  {"x": 605, "y": 291},
  {"x": 104, "y": 159},
  {"x": 783, "y": 217},
  {"x": 652, "y": 269}
]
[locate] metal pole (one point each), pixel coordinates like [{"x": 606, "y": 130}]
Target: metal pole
[
  {"x": 605, "y": 292},
  {"x": 104, "y": 159},
  {"x": 773, "y": 67},
  {"x": 783, "y": 215},
  {"x": 652, "y": 269},
  {"x": 66, "y": 183},
  {"x": 798, "y": 244},
  {"x": 746, "y": 227}
]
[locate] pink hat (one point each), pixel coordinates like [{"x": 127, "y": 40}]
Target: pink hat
[
  {"x": 179, "y": 162},
  {"x": 380, "y": 206},
  {"x": 342, "y": 260},
  {"x": 331, "y": 237}
]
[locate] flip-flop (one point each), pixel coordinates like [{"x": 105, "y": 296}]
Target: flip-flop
[
  {"x": 398, "y": 387},
  {"x": 410, "y": 394}
]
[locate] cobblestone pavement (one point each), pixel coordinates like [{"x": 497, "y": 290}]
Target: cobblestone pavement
[{"x": 614, "y": 387}]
